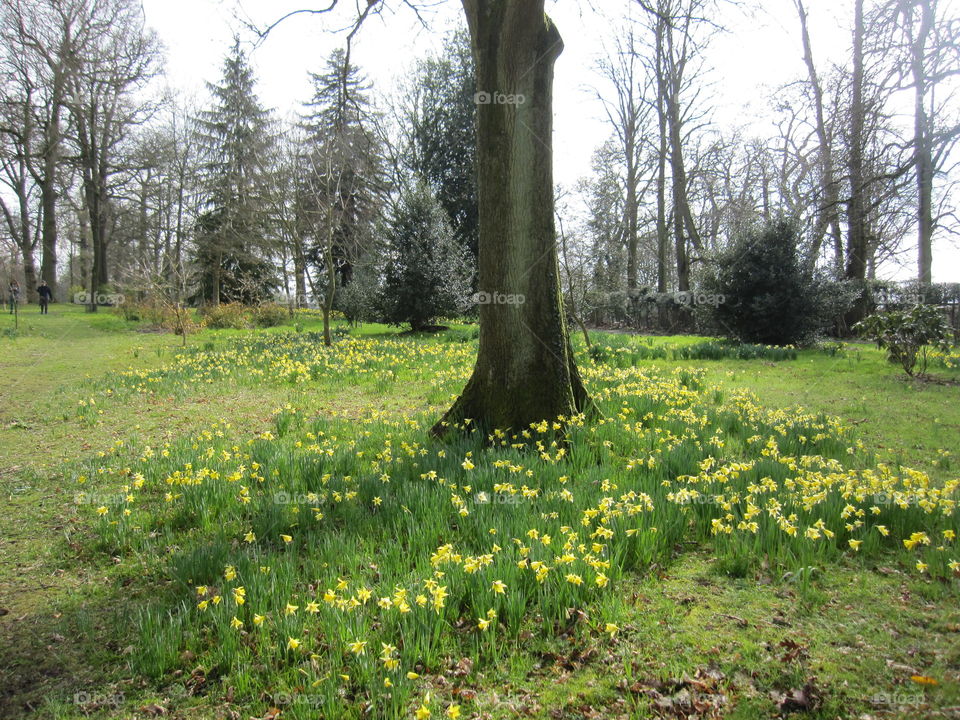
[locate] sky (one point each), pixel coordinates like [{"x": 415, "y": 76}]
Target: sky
[{"x": 759, "y": 52}]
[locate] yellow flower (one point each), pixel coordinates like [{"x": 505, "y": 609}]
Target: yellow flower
[
  {"x": 313, "y": 607},
  {"x": 611, "y": 629},
  {"x": 855, "y": 544},
  {"x": 882, "y": 529},
  {"x": 412, "y": 675},
  {"x": 483, "y": 624},
  {"x": 601, "y": 580},
  {"x": 235, "y": 623},
  {"x": 286, "y": 538},
  {"x": 387, "y": 683},
  {"x": 292, "y": 643},
  {"x": 574, "y": 579},
  {"x": 290, "y": 609},
  {"x": 230, "y": 572},
  {"x": 467, "y": 465},
  {"x": 499, "y": 587},
  {"x": 358, "y": 647},
  {"x": 250, "y": 537},
  {"x": 921, "y": 566},
  {"x": 423, "y": 712},
  {"x": 201, "y": 590},
  {"x": 453, "y": 712},
  {"x": 258, "y": 620}
]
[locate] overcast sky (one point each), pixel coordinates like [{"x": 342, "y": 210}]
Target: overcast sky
[{"x": 759, "y": 52}]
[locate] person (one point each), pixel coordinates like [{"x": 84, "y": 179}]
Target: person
[
  {"x": 14, "y": 296},
  {"x": 46, "y": 295}
]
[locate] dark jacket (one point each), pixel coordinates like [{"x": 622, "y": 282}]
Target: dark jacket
[{"x": 45, "y": 292}]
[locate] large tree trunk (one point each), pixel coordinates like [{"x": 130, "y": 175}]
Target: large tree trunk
[
  {"x": 923, "y": 152},
  {"x": 525, "y": 369},
  {"x": 856, "y": 268},
  {"x": 48, "y": 194}
]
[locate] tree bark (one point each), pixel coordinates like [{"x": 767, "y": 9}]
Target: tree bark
[
  {"x": 922, "y": 148},
  {"x": 525, "y": 370},
  {"x": 856, "y": 265},
  {"x": 828, "y": 217}
]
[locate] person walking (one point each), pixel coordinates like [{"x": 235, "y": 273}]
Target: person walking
[
  {"x": 46, "y": 295},
  {"x": 14, "y": 296}
]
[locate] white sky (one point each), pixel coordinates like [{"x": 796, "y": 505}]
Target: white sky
[{"x": 760, "y": 52}]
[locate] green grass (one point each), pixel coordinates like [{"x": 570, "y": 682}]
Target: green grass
[{"x": 109, "y": 610}]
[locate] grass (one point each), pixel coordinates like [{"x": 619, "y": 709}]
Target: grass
[{"x": 102, "y": 609}]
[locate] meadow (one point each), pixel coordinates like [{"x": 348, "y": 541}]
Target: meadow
[{"x": 260, "y": 526}]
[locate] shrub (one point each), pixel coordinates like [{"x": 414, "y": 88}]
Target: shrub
[
  {"x": 270, "y": 315},
  {"x": 908, "y": 335},
  {"x": 768, "y": 296},
  {"x": 233, "y": 316},
  {"x": 427, "y": 274}
]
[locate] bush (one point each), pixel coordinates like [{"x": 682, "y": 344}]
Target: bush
[
  {"x": 270, "y": 315},
  {"x": 428, "y": 274},
  {"x": 227, "y": 316},
  {"x": 768, "y": 296},
  {"x": 908, "y": 335},
  {"x": 358, "y": 300}
]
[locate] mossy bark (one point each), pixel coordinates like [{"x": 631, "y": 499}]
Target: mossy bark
[{"x": 525, "y": 369}]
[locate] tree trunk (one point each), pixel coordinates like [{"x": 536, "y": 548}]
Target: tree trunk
[
  {"x": 923, "y": 151},
  {"x": 856, "y": 266},
  {"x": 828, "y": 216},
  {"x": 48, "y": 194},
  {"x": 525, "y": 370},
  {"x": 631, "y": 207}
]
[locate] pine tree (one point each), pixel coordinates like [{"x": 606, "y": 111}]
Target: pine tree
[
  {"x": 428, "y": 273},
  {"x": 233, "y": 232},
  {"x": 441, "y": 142},
  {"x": 344, "y": 180}
]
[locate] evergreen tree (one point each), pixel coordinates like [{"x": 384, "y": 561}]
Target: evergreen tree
[
  {"x": 428, "y": 273},
  {"x": 233, "y": 232},
  {"x": 441, "y": 142},
  {"x": 344, "y": 179}
]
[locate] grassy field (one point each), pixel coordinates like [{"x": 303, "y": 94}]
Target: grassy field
[{"x": 257, "y": 525}]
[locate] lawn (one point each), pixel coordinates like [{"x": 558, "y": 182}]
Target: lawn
[{"x": 257, "y": 526}]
